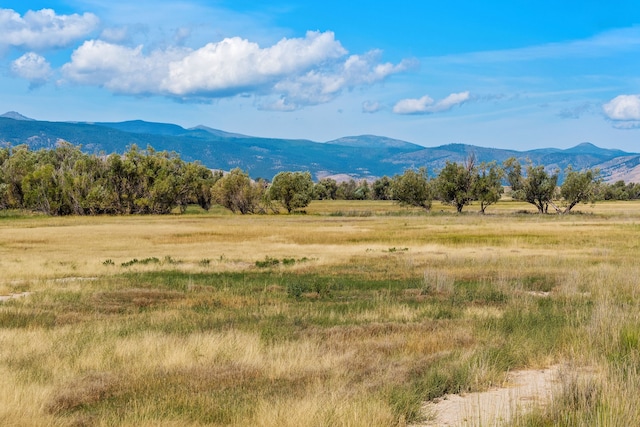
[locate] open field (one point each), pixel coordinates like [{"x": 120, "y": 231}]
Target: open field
[{"x": 354, "y": 314}]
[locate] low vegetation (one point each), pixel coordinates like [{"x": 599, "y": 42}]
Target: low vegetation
[{"x": 319, "y": 319}]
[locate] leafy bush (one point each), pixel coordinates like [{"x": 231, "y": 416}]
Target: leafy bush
[
  {"x": 296, "y": 289},
  {"x": 146, "y": 261},
  {"x": 268, "y": 262}
]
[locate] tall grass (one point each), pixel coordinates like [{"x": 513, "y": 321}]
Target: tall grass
[{"x": 357, "y": 334}]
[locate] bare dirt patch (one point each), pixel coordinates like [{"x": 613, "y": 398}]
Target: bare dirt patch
[
  {"x": 521, "y": 391},
  {"x": 14, "y": 296}
]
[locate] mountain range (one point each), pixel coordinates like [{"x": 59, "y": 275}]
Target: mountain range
[{"x": 358, "y": 157}]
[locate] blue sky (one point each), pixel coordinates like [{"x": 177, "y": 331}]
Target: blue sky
[{"x": 504, "y": 74}]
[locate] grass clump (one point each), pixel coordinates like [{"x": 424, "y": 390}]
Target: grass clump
[
  {"x": 394, "y": 249},
  {"x": 145, "y": 261},
  {"x": 272, "y": 262},
  {"x": 267, "y": 262}
]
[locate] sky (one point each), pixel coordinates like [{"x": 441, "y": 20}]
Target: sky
[{"x": 515, "y": 74}]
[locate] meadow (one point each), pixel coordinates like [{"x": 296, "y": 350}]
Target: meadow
[{"x": 353, "y": 314}]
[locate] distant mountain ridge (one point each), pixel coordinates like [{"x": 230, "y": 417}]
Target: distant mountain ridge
[
  {"x": 359, "y": 157},
  {"x": 15, "y": 116}
]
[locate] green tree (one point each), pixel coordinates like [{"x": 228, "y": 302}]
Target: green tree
[
  {"x": 579, "y": 187},
  {"x": 294, "y": 190},
  {"x": 382, "y": 189},
  {"x": 413, "y": 188},
  {"x": 363, "y": 191},
  {"x": 487, "y": 187},
  {"x": 86, "y": 185},
  {"x": 455, "y": 183},
  {"x": 132, "y": 176},
  {"x": 347, "y": 190},
  {"x": 19, "y": 163},
  {"x": 236, "y": 192},
  {"x": 619, "y": 190},
  {"x": 4, "y": 186},
  {"x": 197, "y": 186},
  {"x": 41, "y": 192},
  {"x": 325, "y": 189},
  {"x": 537, "y": 187},
  {"x": 513, "y": 172}
]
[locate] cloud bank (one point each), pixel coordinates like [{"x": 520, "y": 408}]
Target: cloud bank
[
  {"x": 290, "y": 74},
  {"x": 287, "y": 75},
  {"x": 426, "y": 104}
]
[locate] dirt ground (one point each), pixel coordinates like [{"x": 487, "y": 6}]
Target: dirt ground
[
  {"x": 12, "y": 296},
  {"x": 522, "y": 390}
]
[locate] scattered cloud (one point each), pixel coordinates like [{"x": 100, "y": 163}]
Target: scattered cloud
[
  {"x": 427, "y": 105},
  {"x": 371, "y": 107},
  {"x": 414, "y": 105},
  {"x": 323, "y": 84},
  {"x": 577, "y": 111},
  {"x": 115, "y": 34},
  {"x": 44, "y": 29},
  {"x": 181, "y": 35},
  {"x": 296, "y": 72},
  {"x": 32, "y": 67},
  {"x": 280, "y": 104},
  {"x": 605, "y": 44},
  {"x": 631, "y": 124}
]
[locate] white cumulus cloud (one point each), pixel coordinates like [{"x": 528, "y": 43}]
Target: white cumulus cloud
[
  {"x": 413, "y": 105},
  {"x": 32, "y": 67},
  {"x": 623, "y": 111},
  {"x": 120, "y": 69},
  {"x": 44, "y": 29},
  {"x": 290, "y": 74},
  {"x": 623, "y": 108},
  {"x": 427, "y": 105},
  {"x": 236, "y": 64}
]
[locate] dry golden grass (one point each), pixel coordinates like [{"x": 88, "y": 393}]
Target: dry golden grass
[
  {"x": 379, "y": 308},
  {"x": 49, "y": 248}
]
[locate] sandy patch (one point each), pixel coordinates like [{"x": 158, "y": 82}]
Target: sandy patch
[
  {"x": 522, "y": 391},
  {"x": 14, "y": 296}
]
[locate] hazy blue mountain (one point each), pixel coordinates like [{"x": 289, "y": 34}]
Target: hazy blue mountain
[
  {"x": 367, "y": 141},
  {"x": 139, "y": 126},
  {"x": 15, "y": 116},
  {"x": 218, "y": 133},
  {"x": 364, "y": 156}
]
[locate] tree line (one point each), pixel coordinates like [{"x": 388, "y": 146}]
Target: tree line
[{"x": 66, "y": 181}]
